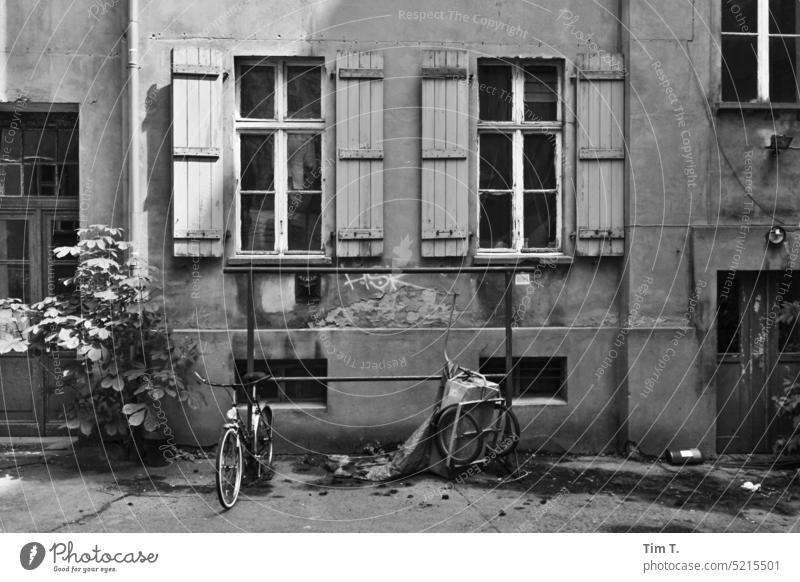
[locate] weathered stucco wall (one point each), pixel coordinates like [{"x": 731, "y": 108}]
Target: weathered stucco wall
[
  {"x": 583, "y": 295},
  {"x": 70, "y": 53}
]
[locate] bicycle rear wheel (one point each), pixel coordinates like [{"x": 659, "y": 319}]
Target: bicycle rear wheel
[
  {"x": 505, "y": 438},
  {"x": 461, "y": 440},
  {"x": 229, "y": 467}
]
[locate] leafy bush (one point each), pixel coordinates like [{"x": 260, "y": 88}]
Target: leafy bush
[{"x": 125, "y": 361}]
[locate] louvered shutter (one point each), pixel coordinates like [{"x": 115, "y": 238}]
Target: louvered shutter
[
  {"x": 359, "y": 141},
  {"x": 601, "y": 155},
  {"x": 197, "y": 152},
  {"x": 445, "y": 173}
]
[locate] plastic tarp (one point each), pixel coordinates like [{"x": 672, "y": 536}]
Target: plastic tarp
[{"x": 419, "y": 453}]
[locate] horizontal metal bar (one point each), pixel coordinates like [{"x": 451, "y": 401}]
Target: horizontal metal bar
[
  {"x": 416, "y": 378},
  {"x": 265, "y": 268}
]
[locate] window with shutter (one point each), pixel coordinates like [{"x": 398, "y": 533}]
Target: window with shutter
[
  {"x": 445, "y": 178},
  {"x": 197, "y": 178},
  {"x": 359, "y": 141},
  {"x": 280, "y": 130},
  {"x": 601, "y": 155},
  {"x": 519, "y": 139}
]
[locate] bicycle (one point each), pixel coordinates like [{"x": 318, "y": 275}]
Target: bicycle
[{"x": 245, "y": 445}]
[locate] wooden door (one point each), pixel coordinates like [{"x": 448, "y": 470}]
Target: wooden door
[{"x": 756, "y": 353}]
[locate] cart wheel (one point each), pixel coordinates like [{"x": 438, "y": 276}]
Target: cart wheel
[
  {"x": 262, "y": 445},
  {"x": 229, "y": 467},
  {"x": 506, "y": 438},
  {"x": 462, "y": 440}
]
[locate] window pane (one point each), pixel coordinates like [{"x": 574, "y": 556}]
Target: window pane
[
  {"x": 10, "y": 180},
  {"x": 495, "y": 223},
  {"x": 782, "y": 70},
  {"x": 303, "y": 91},
  {"x": 739, "y": 16},
  {"x": 47, "y": 180},
  {"x": 15, "y": 282},
  {"x": 14, "y": 238},
  {"x": 257, "y": 162},
  {"x": 494, "y": 92},
  {"x": 539, "y": 170},
  {"x": 540, "y": 220},
  {"x": 38, "y": 143},
  {"x": 12, "y": 144},
  {"x": 739, "y": 68},
  {"x": 14, "y": 278},
  {"x": 68, "y": 145},
  {"x": 495, "y": 165},
  {"x": 304, "y": 161},
  {"x": 68, "y": 180},
  {"x": 257, "y": 89},
  {"x": 728, "y": 319},
  {"x": 782, "y": 17},
  {"x": 541, "y": 93},
  {"x": 258, "y": 222},
  {"x": 30, "y": 173},
  {"x": 64, "y": 234},
  {"x": 305, "y": 221}
]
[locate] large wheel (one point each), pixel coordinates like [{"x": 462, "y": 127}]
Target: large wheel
[
  {"x": 461, "y": 440},
  {"x": 505, "y": 438},
  {"x": 229, "y": 467},
  {"x": 262, "y": 445}
]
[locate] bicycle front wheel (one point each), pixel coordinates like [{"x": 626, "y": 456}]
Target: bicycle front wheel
[
  {"x": 460, "y": 440},
  {"x": 262, "y": 444},
  {"x": 229, "y": 467}
]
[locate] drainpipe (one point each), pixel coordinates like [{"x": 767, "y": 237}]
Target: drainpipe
[{"x": 135, "y": 204}]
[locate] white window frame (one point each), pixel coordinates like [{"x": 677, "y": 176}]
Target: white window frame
[
  {"x": 762, "y": 46},
  {"x": 520, "y": 127},
  {"x": 280, "y": 126}
]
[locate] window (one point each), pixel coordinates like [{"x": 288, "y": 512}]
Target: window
[
  {"x": 519, "y": 133},
  {"x": 309, "y": 391},
  {"x": 759, "y": 50},
  {"x": 38, "y": 199},
  {"x": 280, "y": 131},
  {"x": 38, "y": 154},
  {"x": 531, "y": 377}
]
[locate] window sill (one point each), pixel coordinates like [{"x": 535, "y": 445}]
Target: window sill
[
  {"x": 538, "y": 401},
  {"x": 281, "y": 260},
  {"x": 760, "y": 106},
  {"x": 521, "y": 258}
]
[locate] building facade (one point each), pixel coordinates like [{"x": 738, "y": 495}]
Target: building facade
[{"x": 606, "y": 149}]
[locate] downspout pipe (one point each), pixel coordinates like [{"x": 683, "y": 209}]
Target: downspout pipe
[{"x": 135, "y": 207}]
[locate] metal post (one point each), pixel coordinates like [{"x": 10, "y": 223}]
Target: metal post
[
  {"x": 507, "y": 384},
  {"x": 251, "y": 325}
]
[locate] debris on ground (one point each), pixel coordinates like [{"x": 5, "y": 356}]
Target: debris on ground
[{"x": 750, "y": 486}]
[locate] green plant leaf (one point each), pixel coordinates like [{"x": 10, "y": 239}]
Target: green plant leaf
[{"x": 13, "y": 345}]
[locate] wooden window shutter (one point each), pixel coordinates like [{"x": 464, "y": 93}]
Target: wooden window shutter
[
  {"x": 445, "y": 172},
  {"x": 600, "y": 88},
  {"x": 197, "y": 152},
  {"x": 359, "y": 142}
]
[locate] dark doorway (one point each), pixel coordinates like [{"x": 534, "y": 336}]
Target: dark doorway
[{"x": 757, "y": 354}]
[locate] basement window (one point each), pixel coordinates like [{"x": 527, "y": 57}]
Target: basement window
[
  {"x": 759, "y": 51},
  {"x": 306, "y": 390},
  {"x": 532, "y": 379}
]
